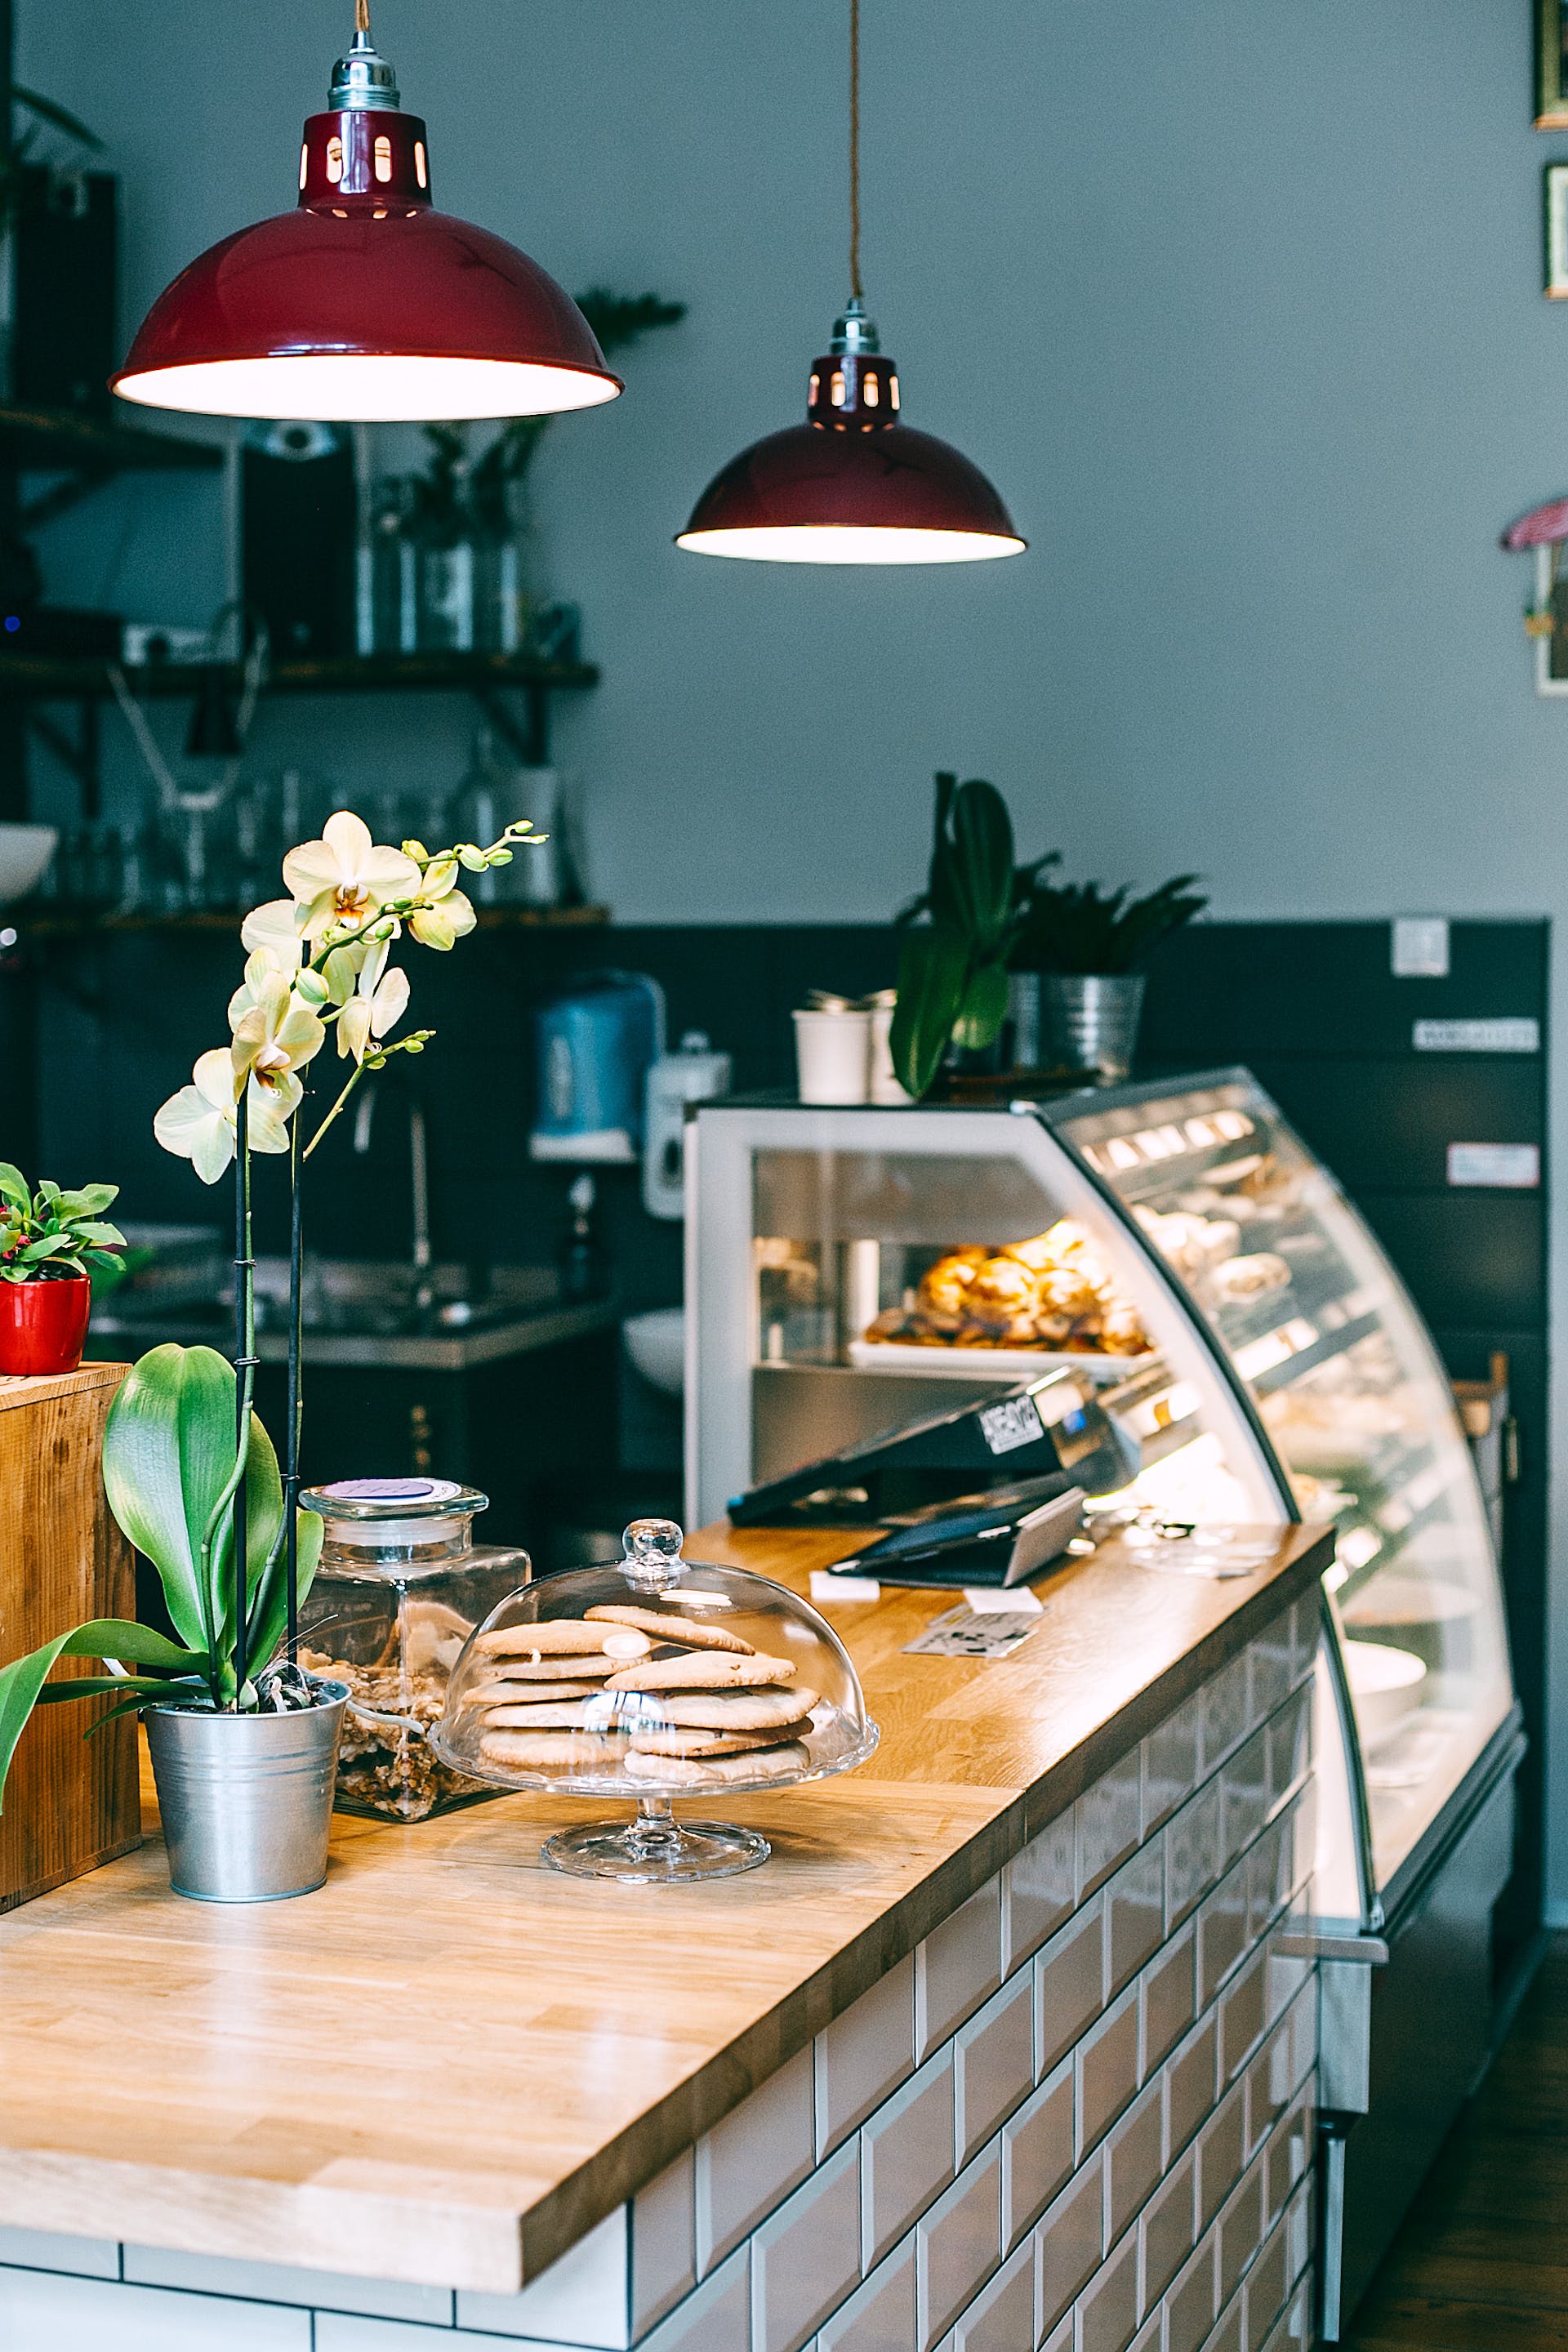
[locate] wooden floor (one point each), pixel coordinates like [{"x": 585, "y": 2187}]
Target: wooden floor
[{"x": 1481, "y": 2266}]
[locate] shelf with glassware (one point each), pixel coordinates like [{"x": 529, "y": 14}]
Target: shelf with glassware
[{"x": 42, "y": 677}]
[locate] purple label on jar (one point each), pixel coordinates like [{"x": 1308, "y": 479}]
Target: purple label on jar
[{"x": 389, "y": 1490}]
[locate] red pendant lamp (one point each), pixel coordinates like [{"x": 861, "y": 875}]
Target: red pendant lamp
[
  {"x": 365, "y": 304},
  {"x": 852, "y": 485}
]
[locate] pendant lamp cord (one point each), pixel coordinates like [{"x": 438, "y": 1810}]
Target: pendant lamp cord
[
  {"x": 362, "y": 16},
  {"x": 855, "y": 286}
]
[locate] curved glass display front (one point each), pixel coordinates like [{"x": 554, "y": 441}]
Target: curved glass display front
[{"x": 1321, "y": 1333}]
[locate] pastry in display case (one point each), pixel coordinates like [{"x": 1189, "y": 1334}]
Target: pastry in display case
[
  {"x": 653, "y": 1680},
  {"x": 1049, "y": 1294},
  {"x": 400, "y": 1587}
]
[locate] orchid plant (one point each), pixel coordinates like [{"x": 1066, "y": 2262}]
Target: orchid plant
[{"x": 191, "y": 1474}]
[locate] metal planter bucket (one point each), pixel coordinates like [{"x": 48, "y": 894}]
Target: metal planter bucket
[
  {"x": 1090, "y": 1022},
  {"x": 246, "y": 1800}
]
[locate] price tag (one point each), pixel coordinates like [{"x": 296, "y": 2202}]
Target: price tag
[{"x": 1505, "y": 1036}]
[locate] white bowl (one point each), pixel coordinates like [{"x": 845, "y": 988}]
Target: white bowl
[
  {"x": 656, "y": 1342},
  {"x": 1385, "y": 1684},
  {"x": 25, "y": 851}
]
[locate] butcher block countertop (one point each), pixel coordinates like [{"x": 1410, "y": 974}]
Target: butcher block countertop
[{"x": 450, "y": 2062}]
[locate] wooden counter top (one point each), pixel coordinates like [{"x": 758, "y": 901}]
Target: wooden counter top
[{"x": 450, "y": 2062}]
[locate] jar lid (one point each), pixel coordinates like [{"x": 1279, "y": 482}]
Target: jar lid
[{"x": 375, "y": 1512}]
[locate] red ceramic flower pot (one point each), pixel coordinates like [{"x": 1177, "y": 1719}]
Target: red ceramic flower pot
[{"x": 43, "y": 1325}]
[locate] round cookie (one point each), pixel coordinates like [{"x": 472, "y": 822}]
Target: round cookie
[
  {"x": 743, "y": 1710},
  {"x": 695, "y": 1633},
  {"x": 502, "y": 1690},
  {"x": 761, "y": 1764},
  {"x": 543, "y": 1751},
  {"x": 570, "y": 1637},
  {"x": 519, "y": 1671},
  {"x": 713, "y": 1743},
  {"x": 712, "y": 1670},
  {"x": 548, "y": 1718}
]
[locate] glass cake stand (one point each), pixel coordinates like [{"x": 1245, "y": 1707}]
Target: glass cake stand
[{"x": 650, "y": 1680}]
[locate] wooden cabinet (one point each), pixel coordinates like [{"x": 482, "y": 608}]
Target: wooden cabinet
[{"x": 70, "y": 1802}]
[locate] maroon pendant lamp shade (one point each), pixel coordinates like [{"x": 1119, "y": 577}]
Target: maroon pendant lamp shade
[
  {"x": 365, "y": 304},
  {"x": 852, "y": 485}
]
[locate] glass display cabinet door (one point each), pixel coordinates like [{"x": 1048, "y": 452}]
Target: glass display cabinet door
[
  {"x": 850, "y": 1271},
  {"x": 1319, "y": 1332}
]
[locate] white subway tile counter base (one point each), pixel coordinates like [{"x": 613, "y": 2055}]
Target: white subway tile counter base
[
  {"x": 1117, "y": 2127},
  {"x": 1077, "y": 2116}
]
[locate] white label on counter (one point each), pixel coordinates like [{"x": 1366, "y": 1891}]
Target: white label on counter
[
  {"x": 959, "y": 1633},
  {"x": 1504, "y": 1167},
  {"x": 1002, "y": 1600},
  {"x": 825, "y": 1586},
  {"x": 1014, "y": 1422},
  {"x": 1505, "y": 1036},
  {"x": 1420, "y": 947}
]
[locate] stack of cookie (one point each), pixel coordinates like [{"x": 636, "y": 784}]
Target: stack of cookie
[{"x": 671, "y": 1699}]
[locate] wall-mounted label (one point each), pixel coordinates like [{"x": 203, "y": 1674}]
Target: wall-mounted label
[
  {"x": 1504, "y": 1036},
  {"x": 1503, "y": 1167},
  {"x": 1420, "y": 947}
]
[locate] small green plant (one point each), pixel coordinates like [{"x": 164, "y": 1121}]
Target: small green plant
[
  {"x": 1077, "y": 927},
  {"x": 952, "y": 968},
  {"x": 49, "y": 1234},
  {"x": 171, "y": 1473}
]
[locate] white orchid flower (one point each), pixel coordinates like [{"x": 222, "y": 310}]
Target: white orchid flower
[
  {"x": 343, "y": 881},
  {"x": 377, "y": 1006},
  {"x": 198, "y": 1124},
  {"x": 273, "y": 931},
  {"x": 444, "y": 915},
  {"x": 274, "y": 1033}
]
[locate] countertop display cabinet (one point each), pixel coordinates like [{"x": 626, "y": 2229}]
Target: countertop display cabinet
[{"x": 1176, "y": 1249}]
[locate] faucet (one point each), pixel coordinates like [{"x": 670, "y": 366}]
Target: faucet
[{"x": 419, "y": 1177}]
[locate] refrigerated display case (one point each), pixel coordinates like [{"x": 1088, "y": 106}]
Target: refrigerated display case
[{"x": 1178, "y": 1247}]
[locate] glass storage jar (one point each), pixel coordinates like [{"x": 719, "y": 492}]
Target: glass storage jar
[
  {"x": 400, "y": 1588},
  {"x": 652, "y": 1678}
]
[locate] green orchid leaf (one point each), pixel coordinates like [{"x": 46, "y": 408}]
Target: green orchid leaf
[
  {"x": 14, "y": 1187},
  {"x": 23, "y": 1680},
  {"x": 168, "y": 1452},
  {"x": 50, "y": 1247},
  {"x": 932, "y": 969},
  {"x": 984, "y": 1010},
  {"x": 269, "y": 1611}
]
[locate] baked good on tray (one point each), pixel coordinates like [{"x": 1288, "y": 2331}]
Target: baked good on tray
[{"x": 1053, "y": 1291}]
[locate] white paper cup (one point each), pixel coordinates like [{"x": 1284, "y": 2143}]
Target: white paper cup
[
  {"x": 884, "y": 1085},
  {"x": 833, "y": 1055}
]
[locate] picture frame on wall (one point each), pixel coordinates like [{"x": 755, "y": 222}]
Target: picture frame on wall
[
  {"x": 1551, "y": 65},
  {"x": 1554, "y": 206}
]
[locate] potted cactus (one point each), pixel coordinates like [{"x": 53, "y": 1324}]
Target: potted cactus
[{"x": 48, "y": 1240}]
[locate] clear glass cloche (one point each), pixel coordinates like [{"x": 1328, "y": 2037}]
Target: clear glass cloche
[
  {"x": 400, "y": 1588},
  {"x": 654, "y": 1679}
]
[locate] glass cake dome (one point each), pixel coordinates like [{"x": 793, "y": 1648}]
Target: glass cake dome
[{"x": 653, "y": 1679}]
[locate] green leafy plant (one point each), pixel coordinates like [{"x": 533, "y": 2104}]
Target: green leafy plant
[
  {"x": 50, "y": 1234},
  {"x": 1077, "y": 927},
  {"x": 171, "y": 1473},
  {"x": 952, "y": 966}
]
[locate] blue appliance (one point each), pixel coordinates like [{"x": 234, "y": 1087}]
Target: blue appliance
[{"x": 593, "y": 1045}]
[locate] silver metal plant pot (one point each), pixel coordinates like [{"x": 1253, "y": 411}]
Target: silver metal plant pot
[
  {"x": 1090, "y": 1022},
  {"x": 246, "y": 1800}
]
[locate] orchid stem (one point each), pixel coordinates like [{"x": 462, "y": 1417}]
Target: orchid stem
[{"x": 355, "y": 1076}]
